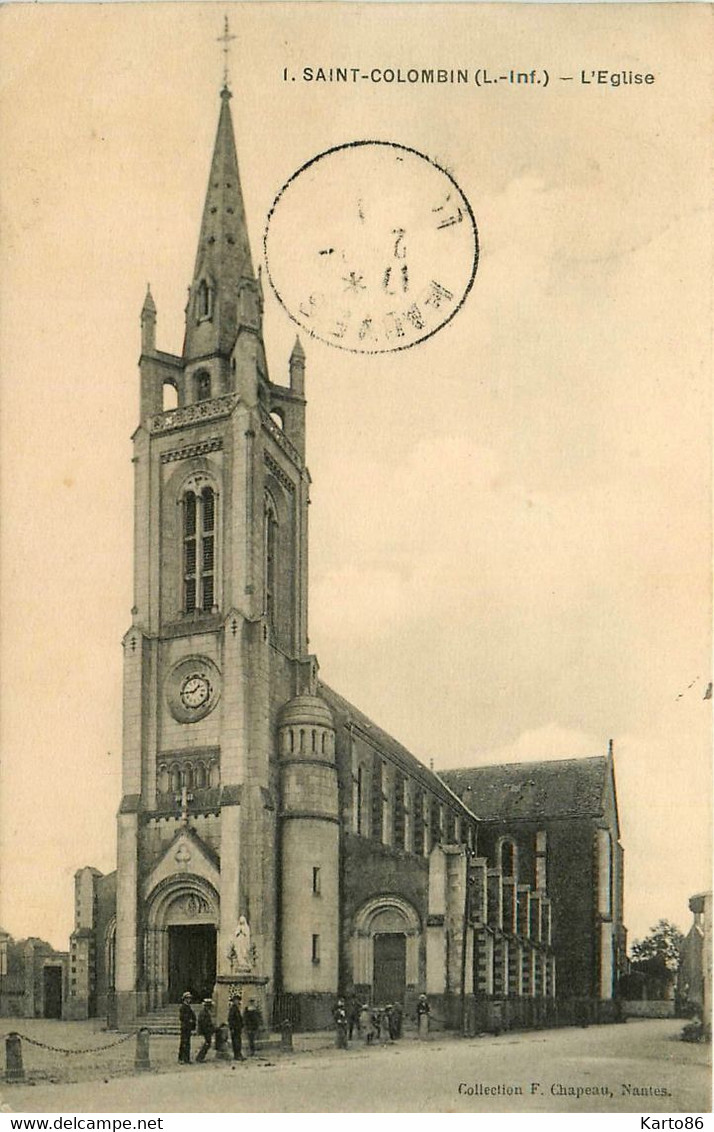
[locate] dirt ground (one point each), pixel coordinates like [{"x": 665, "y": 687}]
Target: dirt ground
[{"x": 638, "y": 1067}]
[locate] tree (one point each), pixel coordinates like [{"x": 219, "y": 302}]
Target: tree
[
  {"x": 656, "y": 958},
  {"x": 663, "y": 945}
]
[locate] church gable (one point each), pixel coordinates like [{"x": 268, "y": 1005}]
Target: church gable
[
  {"x": 187, "y": 853},
  {"x": 609, "y": 800}
]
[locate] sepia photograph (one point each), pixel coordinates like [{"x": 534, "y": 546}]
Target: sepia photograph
[{"x": 355, "y": 552}]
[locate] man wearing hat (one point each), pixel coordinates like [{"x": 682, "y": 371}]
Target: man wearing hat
[
  {"x": 206, "y": 1028},
  {"x": 235, "y": 1024},
  {"x": 252, "y": 1021},
  {"x": 187, "y": 1024}
]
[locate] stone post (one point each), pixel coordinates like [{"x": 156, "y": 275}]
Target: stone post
[
  {"x": 141, "y": 1059},
  {"x": 14, "y": 1069}
]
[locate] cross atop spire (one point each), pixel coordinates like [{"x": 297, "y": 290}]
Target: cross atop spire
[{"x": 225, "y": 39}]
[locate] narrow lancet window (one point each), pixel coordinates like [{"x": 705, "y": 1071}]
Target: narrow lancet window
[
  {"x": 202, "y": 386},
  {"x": 271, "y": 559},
  {"x": 203, "y": 300}
]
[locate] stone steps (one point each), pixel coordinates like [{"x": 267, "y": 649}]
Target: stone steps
[{"x": 161, "y": 1021}]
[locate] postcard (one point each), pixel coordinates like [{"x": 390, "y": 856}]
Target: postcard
[{"x": 356, "y": 365}]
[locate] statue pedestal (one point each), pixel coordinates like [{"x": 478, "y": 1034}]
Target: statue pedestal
[{"x": 251, "y": 986}]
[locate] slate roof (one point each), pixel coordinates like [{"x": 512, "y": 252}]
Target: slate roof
[
  {"x": 558, "y": 789},
  {"x": 343, "y": 710}
]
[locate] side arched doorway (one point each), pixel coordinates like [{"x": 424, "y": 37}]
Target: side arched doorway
[
  {"x": 385, "y": 949},
  {"x": 180, "y": 939}
]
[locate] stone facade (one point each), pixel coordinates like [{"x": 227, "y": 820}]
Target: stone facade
[
  {"x": 557, "y": 822},
  {"x": 694, "y": 978},
  {"x": 34, "y": 979},
  {"x": 269, "y": 834}
]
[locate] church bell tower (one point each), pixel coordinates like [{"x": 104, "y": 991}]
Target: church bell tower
[{"x": 218, "y": 640}]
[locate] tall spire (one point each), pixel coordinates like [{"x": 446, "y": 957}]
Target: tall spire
[{"x": 223, "y": 293}]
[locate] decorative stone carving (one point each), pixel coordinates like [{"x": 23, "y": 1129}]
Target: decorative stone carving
[
  {"x": 276, "y": 471},
  {"x": 241, "y": 954},
  {"x": 212, "y": 445},
  {"x": 195, "y": 905},
  {"x": 191, "y": 414}
]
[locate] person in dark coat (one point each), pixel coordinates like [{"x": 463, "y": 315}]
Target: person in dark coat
[
  {"x": 251, "y": 1021},
  {"x": 206, "y": 1028},
  {"x": 354, "y": 1009},
  {"x": 423, "y": 1011},
  {"x": 235, "y": 1025},
  {"x": 187, "y": 1024}
]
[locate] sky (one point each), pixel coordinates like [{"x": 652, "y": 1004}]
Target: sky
[{"x": 510, "y": 521}]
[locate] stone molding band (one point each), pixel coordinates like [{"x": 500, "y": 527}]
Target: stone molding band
[{"x": 308, "y": 815}]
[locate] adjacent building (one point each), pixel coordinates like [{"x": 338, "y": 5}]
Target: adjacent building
[{"x": 34, "y": 978}]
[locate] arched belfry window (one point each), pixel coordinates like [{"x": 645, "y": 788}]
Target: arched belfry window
[
  {"x": 271, "y": 557},
  {"x": 199, "y": 547},
  {"x": 202, "y": 385},
  {"x": 169, "y": 396}
]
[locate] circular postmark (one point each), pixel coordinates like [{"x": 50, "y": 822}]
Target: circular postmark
[{"x": 371, "y": 247}]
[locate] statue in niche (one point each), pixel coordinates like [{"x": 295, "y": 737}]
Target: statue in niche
[{"x": 241, "y": 952}]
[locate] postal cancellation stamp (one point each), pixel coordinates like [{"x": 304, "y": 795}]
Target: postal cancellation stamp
[{"x": 371, "y": 247}]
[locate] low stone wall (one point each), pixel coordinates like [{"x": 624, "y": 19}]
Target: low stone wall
[
  {"x": 653, "y": 1008},
  {"x": 484, "y": 1015},
  {"x": 494, "y": 1015},
  {"x": 305, "y": 1012}
]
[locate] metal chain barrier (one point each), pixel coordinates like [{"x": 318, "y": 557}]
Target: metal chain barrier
[{"x": 90, "y": 1049}]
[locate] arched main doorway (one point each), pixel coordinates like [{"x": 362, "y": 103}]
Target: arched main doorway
[
  {"x": 180, "y": 941},
  {"x": 385, "y": 948}
]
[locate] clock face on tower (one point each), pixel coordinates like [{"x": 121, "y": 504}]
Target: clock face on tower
[{"x": 193, "y": 689}]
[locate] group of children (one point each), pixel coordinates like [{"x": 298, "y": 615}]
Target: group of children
[{"x": 371, "y": 1023}]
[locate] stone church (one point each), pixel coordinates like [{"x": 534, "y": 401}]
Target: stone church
[{"x": 271, "y": 836}]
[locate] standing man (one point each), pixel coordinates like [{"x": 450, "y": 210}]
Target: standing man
[
  {"x": 366, "y": 1023},
  {"x": 423, "y": 1010},
  {"x": 251, "y": 1020},
  {"x": 206, "y": 1028},
  {"x": 187, "y": 1024},
  {"x": 235, "y": 1025},
  {"x": 353, "y": 1015}
]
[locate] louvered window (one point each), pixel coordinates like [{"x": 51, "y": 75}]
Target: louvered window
[{"x": 199, "y": 550}]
